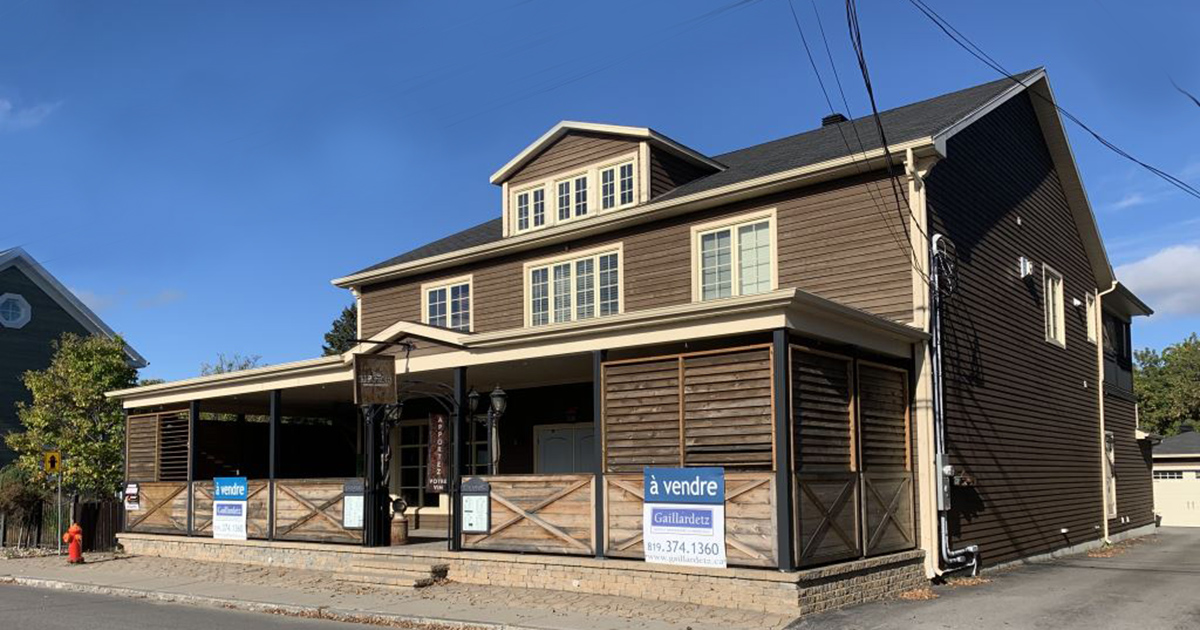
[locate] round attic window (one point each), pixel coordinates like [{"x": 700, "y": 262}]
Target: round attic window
[{"x": 14, "y": 311}]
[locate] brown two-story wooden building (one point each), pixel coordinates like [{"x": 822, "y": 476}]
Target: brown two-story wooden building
[{"x": 897, "y": 371}]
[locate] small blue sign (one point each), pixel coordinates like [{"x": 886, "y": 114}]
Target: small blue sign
[
  {"x": 701, "y": 519},
  {"x": 685, "y": 485},
  {"x": 230, "y": 509},
  {"x": 230, "y": 489}
]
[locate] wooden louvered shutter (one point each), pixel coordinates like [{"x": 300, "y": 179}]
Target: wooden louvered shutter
[
  {"x": 727, "y": 409},
  {"x": 887, "y": 470},
  {"x": 141, "y": 448},
  {"x": 641, "y": 415},
  {"x": 173, "y": 446},
  {"x": 827, "y": 497}
]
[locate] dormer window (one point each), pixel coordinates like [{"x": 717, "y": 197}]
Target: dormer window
[
  {"x": 616, "y": 186},
  {"x": 575, "y": 195}
]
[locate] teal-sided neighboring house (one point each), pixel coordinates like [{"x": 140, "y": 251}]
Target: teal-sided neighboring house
[{"x": 35, "y": 309}]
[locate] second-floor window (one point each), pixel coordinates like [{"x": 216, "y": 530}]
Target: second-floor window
[
  {"x": 734, "y": 258},
  {"x": 449, "y": 305},
  {"x": 616, "y": 186},
  {"x": 1052, "y": 301},
  {"x": 531, "y": 209},
  {"x": 574, "y": 289}
]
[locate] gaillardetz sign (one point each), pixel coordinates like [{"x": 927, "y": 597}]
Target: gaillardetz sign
[
  {"x": 683, "y": 516},
  {"x": 229, "y": 507}
]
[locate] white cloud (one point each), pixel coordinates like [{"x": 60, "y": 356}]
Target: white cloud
[
  {"x": 162, "y": 298},
  {"x": 1131, "y": 200},
  {"x": 1168, "y": 280},
  {"x": 95, "y": 301},
  {"x": 14, "y": 118}
]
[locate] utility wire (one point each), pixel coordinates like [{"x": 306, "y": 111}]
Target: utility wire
[
  {"x": 966, "y": 44},
  {"x": 906, "y": 248},
  {"x": 1170, "y": 78}
]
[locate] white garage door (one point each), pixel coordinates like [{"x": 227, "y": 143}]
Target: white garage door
[{"x": 1177, "y": 497}]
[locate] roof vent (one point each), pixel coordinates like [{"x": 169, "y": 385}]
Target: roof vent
[{"x": 833, "y": 119}]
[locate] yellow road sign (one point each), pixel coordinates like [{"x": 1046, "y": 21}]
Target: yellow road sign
[{"x": 51, "y": 462}]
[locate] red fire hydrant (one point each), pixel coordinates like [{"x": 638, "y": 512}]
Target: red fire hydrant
[{"x": 74, "y": 540}]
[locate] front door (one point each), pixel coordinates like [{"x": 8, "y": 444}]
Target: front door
[{"x": 565, "y": 448}]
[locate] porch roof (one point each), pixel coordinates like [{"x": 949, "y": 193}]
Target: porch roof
[{"x": 802, "y": 312}]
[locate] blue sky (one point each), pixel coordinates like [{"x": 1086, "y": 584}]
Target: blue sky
[{"x": 199, "y": 171}]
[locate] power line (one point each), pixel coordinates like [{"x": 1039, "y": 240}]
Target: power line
[
  {"x": 966, "y": 44},
  {"x": 1170, "y": 78},
  {"x": 876, "y": 201}
]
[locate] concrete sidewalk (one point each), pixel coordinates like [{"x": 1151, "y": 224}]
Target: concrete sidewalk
[{"x": 317, "y": 594}]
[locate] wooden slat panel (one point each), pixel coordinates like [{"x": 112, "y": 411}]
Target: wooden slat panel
[
  {"x": 311, "y": 509},
  {"x": 749, "y": 517},
  {"x": 173, "y": 447},
  {"x": 883, "y": 416},
  {"x": 163, "y": 508},
  {"x": 727, "y": 409},
  {"x": 141, "y": 448},
  {"x": 827, "y": 520},
  {"x": 641, "y": 415},
  {"x": 822, "y": 404},
  {"x": 540, "y": 513}
]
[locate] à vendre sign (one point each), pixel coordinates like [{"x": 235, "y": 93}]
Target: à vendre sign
[
  {"x": 683, "y": 516},
  {"x": 229, "y": 507}
]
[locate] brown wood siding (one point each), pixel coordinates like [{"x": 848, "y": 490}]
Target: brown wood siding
[
  {"x": 668, "y": 171},
  {"x": 840, "y": 240},
  {"x": 1022, "y": 413},
  {"x": 573, "y": 152},
  {"x": 1135, "y": 484},
  {"x": 27, "y": 348}
]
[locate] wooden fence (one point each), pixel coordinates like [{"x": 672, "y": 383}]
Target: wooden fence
[
  {"x": 749, "y": 517},
  {"x": 305, "y": 510},
  {"x": 540, "y": 513}
]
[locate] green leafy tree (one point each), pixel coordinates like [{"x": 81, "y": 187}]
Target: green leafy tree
[
  {"x": 69, "y": 412},
  {"x": 231, "y": 363},
  {"x": 1168, "y": 386},
  {"x": 341, "y": 336}
]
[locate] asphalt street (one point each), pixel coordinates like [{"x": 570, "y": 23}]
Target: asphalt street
[
  {"x": 42, "y": 609},
  {"x": 1151, "y": 586}
]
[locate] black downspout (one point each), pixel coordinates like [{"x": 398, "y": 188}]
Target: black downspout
[
  {"x": 272, "y": 447},
  {"x": 193, "y": 420},
  {"x": 784, "y": 514},
  {"x": 598, "y": 357},
  {"x": 457, "y": 428}
]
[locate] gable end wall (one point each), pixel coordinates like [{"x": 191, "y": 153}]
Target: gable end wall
[{"x": 1022, "y": 413}]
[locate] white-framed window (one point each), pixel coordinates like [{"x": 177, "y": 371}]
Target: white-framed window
[
  {"x": 733, "y": 257},
  {"x": 617, "y": 186},
  {"x": 575, "y": 195},
  {"x": 574, "y": 288},
  {"x": 1052, "y": 302},
  {"x": 1090, "y": 305},
  {"x": 447, "y": 304},
  {"x": 15, "y": 311},
  {"x": 1164, "y": 475},
  {"x": 531, "y": 208}
]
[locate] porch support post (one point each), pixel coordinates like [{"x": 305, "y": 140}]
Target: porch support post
[
  {"x": 457, "y": 430},
  {"x": 598, "y": 357},
  {"x": 193, "y": 418},
  {"x": 784, "y": 513},
  {"x": 272, "y": 446}
]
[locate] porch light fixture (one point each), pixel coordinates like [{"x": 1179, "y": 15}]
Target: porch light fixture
[{"x": 499, "y": 401}]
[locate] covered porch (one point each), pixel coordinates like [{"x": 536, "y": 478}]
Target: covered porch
[{"x": 804, "y": 403}]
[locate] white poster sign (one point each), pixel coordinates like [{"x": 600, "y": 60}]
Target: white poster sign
[
  {"x": 683, "y": 517},
  {"x": 229, "y": 520},
  {"x": 475, "y": 514},
  {"x": 352, "y": 511}
]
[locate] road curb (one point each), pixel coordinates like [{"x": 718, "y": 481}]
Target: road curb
[{"x": 289, "y": 610}]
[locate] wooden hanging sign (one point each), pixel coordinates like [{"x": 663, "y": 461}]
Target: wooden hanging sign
[{"x": 374, "y": 379}]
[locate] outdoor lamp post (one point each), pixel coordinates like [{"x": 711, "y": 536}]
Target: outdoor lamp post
[{"x": 496, "y": 408}]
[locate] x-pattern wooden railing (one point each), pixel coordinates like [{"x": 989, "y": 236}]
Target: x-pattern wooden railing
[
  {"x": 828, "y": 517},
  {"x": 890, "y": 508},
  {"x": 531, "y": 515},
  {"x": 158, "y": 506},
  {"x": 314, "y": 510}
]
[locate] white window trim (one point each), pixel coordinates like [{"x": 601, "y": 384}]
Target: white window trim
[
  {"x": 592, "y": 173},
  {"x": 732, "y": 223},
  {"x": 527, "y": 290},
  {"x": 1093, "y": 319},
  {"x": 632, "y": 161},
  {"x": 468, "y": 280},
  {"x": 1048, "y": 271},
  {"x": 26, "y": 311}
]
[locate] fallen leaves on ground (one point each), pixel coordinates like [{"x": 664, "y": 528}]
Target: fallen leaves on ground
[
  {"x": 967, "y": 581},
  {"x": 918, "y": 594}
]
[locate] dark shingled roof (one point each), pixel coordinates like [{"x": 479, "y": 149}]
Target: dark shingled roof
[
  {"x": 910, "y": 122},
  {"x": 1187, "y": 443}
]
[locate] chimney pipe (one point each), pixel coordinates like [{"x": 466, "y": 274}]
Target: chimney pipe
[{"x": 833, "y": 119}]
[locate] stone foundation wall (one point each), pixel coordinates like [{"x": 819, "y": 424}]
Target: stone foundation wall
[{"x": 803, "y": 592}]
